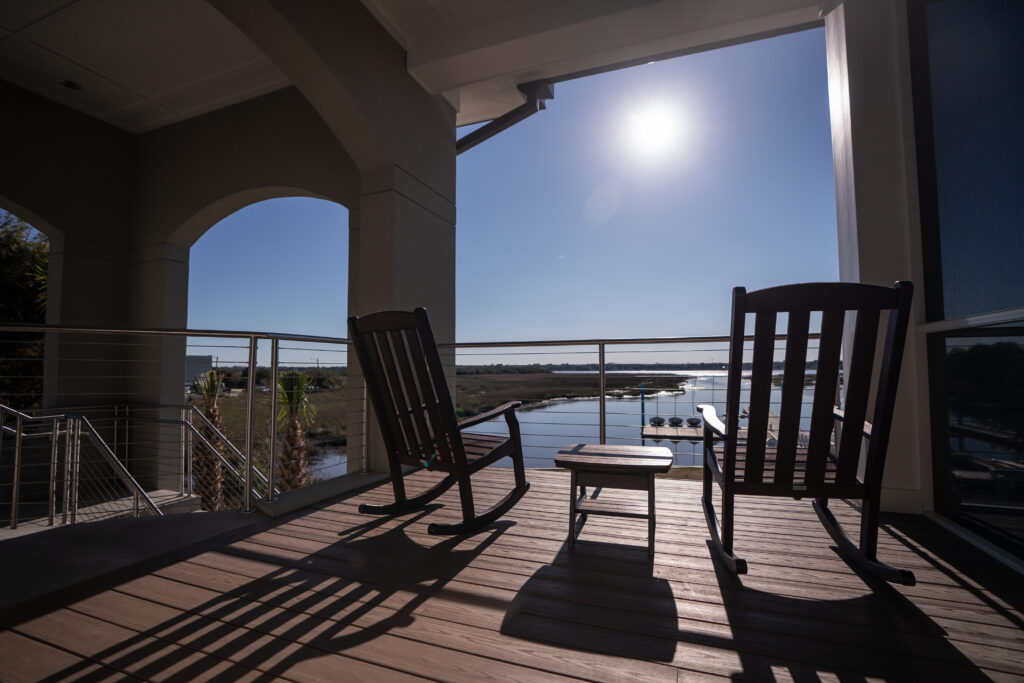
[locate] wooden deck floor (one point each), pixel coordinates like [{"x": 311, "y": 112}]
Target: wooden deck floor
[{"x": 333, "y": 595}]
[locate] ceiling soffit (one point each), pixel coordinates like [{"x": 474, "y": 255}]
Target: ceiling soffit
[
  {"x": 476, "y": 53},
  {"x": 140, "y": 64}
]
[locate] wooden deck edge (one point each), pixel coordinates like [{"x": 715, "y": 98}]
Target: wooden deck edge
[{"x": 290, "y": 501}]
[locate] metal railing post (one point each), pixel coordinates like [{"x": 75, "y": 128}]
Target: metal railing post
[
  {"x": 272, "y": 456},
  {"x": 182, "y": 466},
  {"x": 186, "y": 415},
  {"x": 250, "y": 424},
  {"x": 77, "y": 457},
  {"x": 66, "y": 489},
  {"x": 16, "y": 477},
  {"x": 127, "y": 433},
  {"x": 601, "y": 390},
  {"x": 52, "y": 491}
]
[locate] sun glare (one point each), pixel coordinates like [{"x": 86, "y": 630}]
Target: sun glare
[{"x": 654, "y": 131}]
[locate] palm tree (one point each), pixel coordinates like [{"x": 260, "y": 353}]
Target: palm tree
[
  {"x": 207, "y": 468},
  {"x": 294, "y": 409}
]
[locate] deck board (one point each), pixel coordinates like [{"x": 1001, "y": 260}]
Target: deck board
[{"x": 332, "y": 594}]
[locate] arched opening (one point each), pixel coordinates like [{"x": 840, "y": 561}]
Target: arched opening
[
  {"x": 24, "y": 275},
  {"x": 278, "y": 265},
  {"x": 274, "y": 265}
]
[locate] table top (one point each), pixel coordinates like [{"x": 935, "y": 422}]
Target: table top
[{"x": 608, "y": 458}]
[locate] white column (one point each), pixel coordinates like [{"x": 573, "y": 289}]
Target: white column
[{"x": 877, "y": 204}]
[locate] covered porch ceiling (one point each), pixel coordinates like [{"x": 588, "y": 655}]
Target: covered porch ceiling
[{"x": 143, "y": 65}]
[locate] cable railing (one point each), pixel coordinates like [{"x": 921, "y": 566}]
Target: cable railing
[
  {"x": 640, "y": 391},
  {"x": 61, "y": 467},
  {"x": 575, "y": 390}
]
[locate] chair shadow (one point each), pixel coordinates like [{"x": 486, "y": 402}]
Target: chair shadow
[
  {"x": 569, "y": 603},
  {"x": 330, "y": 601},
  {"x": 807, "y": 637}
]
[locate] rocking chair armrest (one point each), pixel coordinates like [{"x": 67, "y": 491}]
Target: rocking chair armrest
[
  {"x": 711, "y": 420},
  {"x": 489, "y": 415},
  {"x": 841, "y": 415}
]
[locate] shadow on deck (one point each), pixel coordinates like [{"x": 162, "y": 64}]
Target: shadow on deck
[{"x": 331, "y": 594}]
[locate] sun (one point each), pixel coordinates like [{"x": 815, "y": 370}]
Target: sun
[{"x": 654, "y": 131}]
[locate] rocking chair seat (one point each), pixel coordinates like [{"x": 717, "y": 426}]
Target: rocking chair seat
[{"x": 768, "y": 474}]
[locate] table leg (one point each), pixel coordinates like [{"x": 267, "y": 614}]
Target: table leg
[
  {"x": 572, "y": 509},
  {"x": 583, "y": 494},
  {"x": 650, "y": 515}
]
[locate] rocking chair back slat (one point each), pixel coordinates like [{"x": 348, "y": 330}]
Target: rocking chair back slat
[
  {"x": 760, "y": 395},
  {"x": 826, "y": 380},
  {"x": 438, "y": 410},
  {"x": 858, "y": 388},
  {"x": 795, "y": 369},
  {"x": 418, "y": 432},
  {"x": 371, "y": 359},
  {"x": 392, "y": 349},
  {"x": 734, "y": 380}
]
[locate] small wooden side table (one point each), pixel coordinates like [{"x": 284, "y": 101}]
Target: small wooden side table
[{"x": 616, "y": 467}]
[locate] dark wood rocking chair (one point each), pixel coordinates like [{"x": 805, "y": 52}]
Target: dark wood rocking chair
[
  {"x": 406, "y": 383},
  {"x": 825, "y": 462}
]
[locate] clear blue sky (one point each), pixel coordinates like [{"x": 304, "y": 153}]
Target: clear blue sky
[{"x": 569, "y": 228}]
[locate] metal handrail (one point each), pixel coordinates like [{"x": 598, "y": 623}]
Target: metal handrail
[
  {"x": 609, "y": 341},
  {"x": 198, "y": 413},
  {"x": 172, "y": 332},
  {"x": 74, "y": 424},
  {"x": 238, "y": 334},
  {"x": 126, "y": 478},
  {"x": 195, "y": 432}
]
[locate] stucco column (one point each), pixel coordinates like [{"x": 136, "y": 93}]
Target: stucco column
[
  {"x": 87, "y": 287},
  {"x": 401, "y": 256},
  {"x": 876, "y": 200},
  {"x": 159, "y": 299}
]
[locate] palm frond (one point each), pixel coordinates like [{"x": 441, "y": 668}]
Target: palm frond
[
  {"x": 293, "y": 400},
  {"x": 208, "y": 384}
]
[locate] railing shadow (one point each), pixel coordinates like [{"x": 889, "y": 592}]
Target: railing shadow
[{"x": 304, "y": 601}]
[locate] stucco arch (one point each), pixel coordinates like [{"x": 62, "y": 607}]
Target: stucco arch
[
  {"x": 53, "y": 235},
  {"x": 189, "y": 232}
]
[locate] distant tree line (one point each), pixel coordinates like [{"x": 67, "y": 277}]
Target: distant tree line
[
  {"x": 320, "y": 379},
  {"x": 24, "y": 260},
  {"x": 501, "y": 369}
]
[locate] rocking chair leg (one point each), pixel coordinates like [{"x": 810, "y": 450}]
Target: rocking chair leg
[
  {"x": 403, "y": 505},
  {"x": 469, "y": 525},
  {"x": 724, "y": 548},
  {"x": 860, "y": 558}
]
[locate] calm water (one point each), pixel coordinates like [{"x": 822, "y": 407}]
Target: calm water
[
  {"x": 547, "y": 429},
  {"x": 550, "y": 427}
]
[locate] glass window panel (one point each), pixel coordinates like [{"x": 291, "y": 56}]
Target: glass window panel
[
  {"x": 985, "y": 376},
  {"x": 976, "y": 65}
]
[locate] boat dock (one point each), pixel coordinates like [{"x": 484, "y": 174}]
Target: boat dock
[{"x": 685, "y": 433}]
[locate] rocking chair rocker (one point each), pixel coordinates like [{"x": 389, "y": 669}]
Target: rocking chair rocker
[
  {"x": 406, "y": 383},
  {"x": 824, "y": 463}
]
